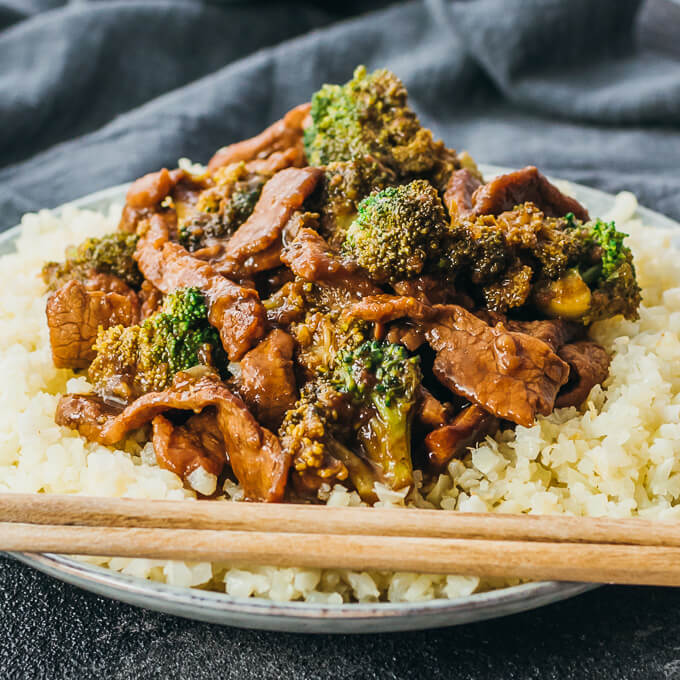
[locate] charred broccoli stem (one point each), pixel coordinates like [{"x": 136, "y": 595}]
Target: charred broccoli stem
[
  {"x": 369, "y": 116},
  {"x": 397, "y": 231},
  {"x": 109, "y": 254},
  {"x": 382, "y": 379},
  {"x": 133, "y": 360}
]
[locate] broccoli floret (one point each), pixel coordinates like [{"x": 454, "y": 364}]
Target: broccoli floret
[
  {"x": 323, "y": 333},
  {"x": 609, "y": 270},
  {"x": 109, "y": 254},
  {"x": 397, "y": 231},
  {"x": 311, "y": 433},
  {"x": 369, "y": 116},
  {"x": 477, "y": 249},
  {"x": 344, "y": 185},
  {"x": 382, "y": 379},
  {"x": 367, "y": 397},
  {"x": 602, "y": 282},
  {"x": 144, "y": 358},
  {"x": 610, "y": 241}
]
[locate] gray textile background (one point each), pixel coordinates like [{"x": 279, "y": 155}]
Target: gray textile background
[
  {"x": 93, "y": 94},
  {"x": 96, "y": 94}
]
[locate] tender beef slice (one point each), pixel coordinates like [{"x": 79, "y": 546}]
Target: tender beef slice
[
  {"x": 589, "y": 366},
  {"x": 511, "y": 375},
  {"x": 145, "y": 194},
  {"x": 458, "y": 193},
  {"x": 74, "y": 314},
  {"x": 431, "y": 412},
  {"x": 150, "y": 297},
  {"x": 254, "y": 452},
  {"x": 184, "y": 448},
  {"x": 86, "y": 413},
  {"x": 267, "y": 382},
  {"x": 506, "y": 191},
  {"x": 385, "y": 308},
  {"x": 554, "y": 332},
  {"x": 280, "y": 136},
  {"x": 410, "y": 336},
  {"x": 236, "y": 312},
  {"x": 256, "y": 245},
  {"x": 95, "y": 281},
  {"x": 205, "y": 427},
  {"x": 279, "y": 160},
  {"x": 452, "y": 440},
  {"x": 431, "y": 290},
  {"x": 310, "y": 258}
]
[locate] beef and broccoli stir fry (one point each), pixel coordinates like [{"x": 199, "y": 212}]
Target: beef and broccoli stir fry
[{"x": 340, "y": 299}]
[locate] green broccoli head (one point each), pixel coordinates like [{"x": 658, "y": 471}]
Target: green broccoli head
[
  {"x": 344, "y": 185},
  {"x": 609, "y": 270},
  {"x": 397, "y": 231},
  {"x": 109, "y": 254},
  {"x": 609, "y": 241},
  {"x": 600, "y": 284},
  {"x": 133, "y": 360},
  {"x": 369, "y": 116},
  {"x": 382, "y": 381}
]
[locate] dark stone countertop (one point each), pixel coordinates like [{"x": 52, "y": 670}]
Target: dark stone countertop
[{"x": 51, "y": 630}]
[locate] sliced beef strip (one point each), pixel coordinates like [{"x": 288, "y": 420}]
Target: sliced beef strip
[
  {"x": 431, "y": 412},
  {"x": 458, "y": 193},
  {"x": 280, "y": 136},
  {"x": 236, "y": 312},
  {"x": 554, "y": 332},
  {"x": 310, "y": 258},
  {"x": 279, "y": 160},
  {"x": 260, "y": 234},
  {"x": 512, "y": 375},
  {"x": 506, "y": 191},
  {"x": 267, "y": 380},
  {"x": 589, "y": 366},
  {"x": 254, "y": 452},
  {"x": 385, "y": 308},
  {"x": 431, "y": 290},
  {"x": 183, "y": 449},
  {"x": 145, "y": 195},
  {"x": 452, "y": 440},
  {"x": 150, "y": 297},
  {"x": 404, "y": 334},
  {"x": 74, "y": 314}
]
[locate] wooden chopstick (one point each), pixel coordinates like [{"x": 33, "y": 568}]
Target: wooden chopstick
[
  {"x": 632, "y": 551},
  {"x": 292, "y": 518},
  {"x": 596, "y": 563}
]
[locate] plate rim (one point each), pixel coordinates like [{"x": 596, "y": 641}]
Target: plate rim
[{"x": 296, "y": 616}]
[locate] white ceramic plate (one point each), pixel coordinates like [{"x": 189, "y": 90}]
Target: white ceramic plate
[{"x": 301, "y": 617}]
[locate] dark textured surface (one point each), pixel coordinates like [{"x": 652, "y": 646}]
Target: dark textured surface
[
  {"x": 92, "y": 94},
  {"x": 61, "y": 632}
]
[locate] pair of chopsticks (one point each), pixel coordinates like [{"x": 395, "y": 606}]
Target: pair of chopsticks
[{"x": 598, "y": 550}]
